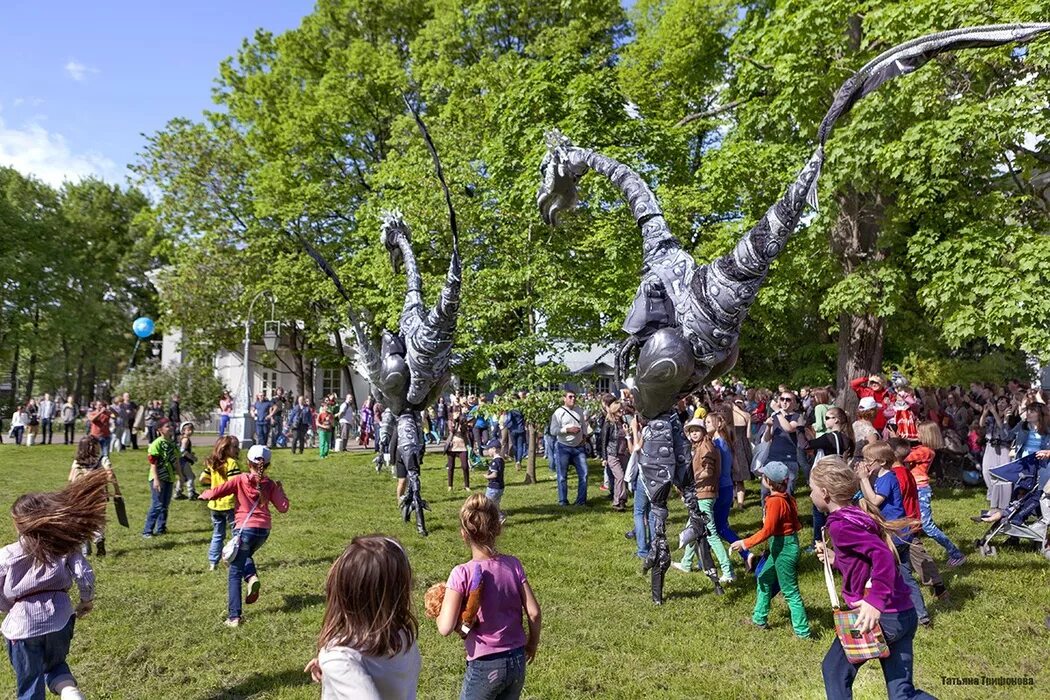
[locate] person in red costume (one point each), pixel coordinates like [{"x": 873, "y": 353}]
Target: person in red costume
[{"x": 874, "y": 387}]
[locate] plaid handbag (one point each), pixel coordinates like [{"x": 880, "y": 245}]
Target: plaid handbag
[{"x": 858, "y": 646}]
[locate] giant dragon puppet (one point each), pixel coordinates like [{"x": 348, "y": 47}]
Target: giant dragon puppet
[
  {"x": 411, "y": 367},
  {"x": 684, "y": 324}
]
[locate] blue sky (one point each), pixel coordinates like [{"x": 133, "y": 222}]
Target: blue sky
[{"x": 81, "y": 81}]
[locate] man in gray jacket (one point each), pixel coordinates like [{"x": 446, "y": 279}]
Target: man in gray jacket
[{"x": 569, "y": 428}]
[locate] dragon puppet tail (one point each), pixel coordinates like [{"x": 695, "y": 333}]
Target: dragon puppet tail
[{"x": 723, "y": 291}]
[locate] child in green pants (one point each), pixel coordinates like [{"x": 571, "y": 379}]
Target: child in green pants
[
  {"x": 780, "y": 525},
  {"x": 707, "y": 467}
]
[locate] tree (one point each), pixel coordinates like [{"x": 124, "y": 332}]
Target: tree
[{"x": 198, "y": 388}]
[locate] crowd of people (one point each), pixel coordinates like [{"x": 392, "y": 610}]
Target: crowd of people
[{"x": 869, "y": 473}]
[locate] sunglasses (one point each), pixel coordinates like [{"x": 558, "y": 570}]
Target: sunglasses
[{"x": 787, "y": 398}]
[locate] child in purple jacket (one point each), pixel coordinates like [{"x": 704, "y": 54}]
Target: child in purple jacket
[{"x": 871, "y": 582}]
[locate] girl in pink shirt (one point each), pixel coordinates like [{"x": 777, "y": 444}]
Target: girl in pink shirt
[
  {"x": 255, "y": 492},
  {"x": 496, "y": 645}
]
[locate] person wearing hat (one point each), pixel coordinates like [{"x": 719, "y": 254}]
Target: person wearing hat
[
  {"x": 864, "y": 430},
  {"x": 780, "y": 525},
  {"x": 254, "y": 491},
  {"x": 873, "y": 386},
  {"x": 707, "y": 469},
  {"x": 494, "y": 476},
  {"x": 163, "y": 469}
]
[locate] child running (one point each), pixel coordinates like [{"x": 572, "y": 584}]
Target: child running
[
  {"x": 707, "y": 473},
  {"x": 88, "y": 460},
  {"x": 36, "y": 573},
  {"x": 497, "y": 646},
  {"x": 780, "y": 525},
  {"x": 220, "y": 467},
  {"x": 255, "y": 492},
  {"x": 918, "y": 461},
  {"x": 494, "y": 476},
  {"x": 886, "y": 495},
  {"x": 367, "y": 648},
  {"x": 864, "y": 554}
]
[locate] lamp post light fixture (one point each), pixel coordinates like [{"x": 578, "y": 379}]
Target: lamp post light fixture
[{"x": 271, "y": 338}]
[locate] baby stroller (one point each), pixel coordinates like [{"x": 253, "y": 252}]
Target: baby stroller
[{"x": 1028, "y": 500}]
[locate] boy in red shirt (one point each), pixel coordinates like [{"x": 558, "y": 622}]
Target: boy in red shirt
[
  {"x": 780, "y": 525},
  {"x": 922, "y": 563}
]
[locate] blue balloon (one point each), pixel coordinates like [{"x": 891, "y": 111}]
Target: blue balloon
[
  {"x": 972, "y": 477},
  {"x": 143, "y": 327}
]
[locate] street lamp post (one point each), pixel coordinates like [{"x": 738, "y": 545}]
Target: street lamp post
[{"x": 271, "y": 336}]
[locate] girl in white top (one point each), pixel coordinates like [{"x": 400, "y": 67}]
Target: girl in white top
[{"x": 367, "y": 646}]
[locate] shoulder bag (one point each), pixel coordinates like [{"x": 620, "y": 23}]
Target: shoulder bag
[
  {"x": 233, "y": 545},
  {"x": 858, "y": 646}
]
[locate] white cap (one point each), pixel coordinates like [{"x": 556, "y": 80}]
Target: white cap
[
  {"x": 259, "y": 453},
  {"x": 867, "y": 403}
]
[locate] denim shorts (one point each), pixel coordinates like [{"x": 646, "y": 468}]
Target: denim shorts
[{"x": 496, "y": 677}]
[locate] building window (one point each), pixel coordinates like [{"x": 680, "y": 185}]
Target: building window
[
  {"x": 269, "y": 381},
  {"x": 466, "y": 389},
  {"x": 602, "y": 384},
  {"x": 331, "y": 381}
]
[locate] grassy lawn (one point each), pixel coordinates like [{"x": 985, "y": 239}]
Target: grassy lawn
[{"x": 157, "y": 627}]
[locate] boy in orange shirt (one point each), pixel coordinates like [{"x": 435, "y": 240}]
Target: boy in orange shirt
[{"x": 780, "y": 525}]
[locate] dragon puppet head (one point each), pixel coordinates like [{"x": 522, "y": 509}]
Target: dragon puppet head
[
  {"x": 392, "y": 231},
  {"x": 558, "y": 189}
]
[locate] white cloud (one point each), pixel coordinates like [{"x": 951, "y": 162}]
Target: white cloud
[
  {"x": 78, "y": 71},
  {"x": 33, "y": 150}
]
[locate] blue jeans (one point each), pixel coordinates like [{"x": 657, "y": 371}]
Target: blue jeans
[
  {"x": 219, "y": 520},
  {"x": 577, "y": 456},
  {"x": 40, "y": 662},
  {"x": 908, "y": 574},
  {"x": 930, "y": 527},
  {"x": 103, "y": 442},
  {"x": 899, "y": 630},
  {"x": 643, "y": 517},
  {"x": 521, "y": 446},
  {"x": 494, "y": 495},
  {"x": 723, "y": 504},
  {"x": 275, "y": 431},
  {"x": 243, "y": 566},
  {"x": 224, "y": 424},
  {"x": 550, "y": 449},
  {"x": 501, "y": 678},
  {"x": 157, "y": 517},
  {"x": 262, "y": 432},
  {"x": 819, "y": 519}
]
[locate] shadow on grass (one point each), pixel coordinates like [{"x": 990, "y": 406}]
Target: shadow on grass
[
  {"x": 295, "y": 603},
  {"x": 261, "y": 682}
]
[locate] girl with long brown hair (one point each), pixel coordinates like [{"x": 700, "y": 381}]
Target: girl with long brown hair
[
  {"x": 367, "y": 647},
  {"x": 864, "y": 553},
  {"x": 220, "y": 466},
  {"x": 36, "y": 573}
]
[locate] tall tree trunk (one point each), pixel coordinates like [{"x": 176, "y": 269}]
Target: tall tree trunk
[
  {"x": 65, "y": 369},
  {"x": 530, "y": 468},
  {"x": 14, "y": 372},
  {"x": 31, "y": 379},
  {"x": 92, "y": 376},
  {"x": 854, "y": 241},
  {"x": 78, "y": 390}
]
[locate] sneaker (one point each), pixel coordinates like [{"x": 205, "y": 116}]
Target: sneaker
[
  {"x": 748, "y": 622},
  {"x": 629, "y": 535},
  {"x": 233, "y": 622},
  {"x": 678, "y": 565},
  {"x": 940, "y": 592},
  {"x": 147, "y": 536},
  {"x": 193, "y": 495},
  {"x": 212, "y": 565},
  {"x": 180, "y": 497},
  {"x": 100, "y": 548},
  {"x": 727, "y": 579},
  {"x": 253, "y": 590},
  {"x": 926, "y": 622},
  {"x": 957, "y": 561},
  {"x": 603, "y": 487}
]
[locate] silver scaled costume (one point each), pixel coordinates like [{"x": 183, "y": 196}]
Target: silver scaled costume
[{"x": 684, "y": 324}]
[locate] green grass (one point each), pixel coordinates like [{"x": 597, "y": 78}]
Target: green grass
[{"x": 157, "y": 631}]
